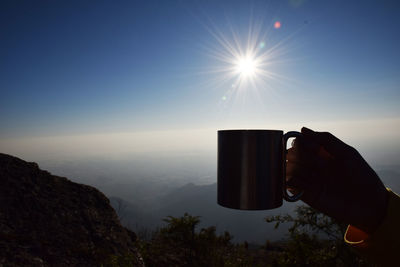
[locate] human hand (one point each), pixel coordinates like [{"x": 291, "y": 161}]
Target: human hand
[{"x": 336, "y": 180}]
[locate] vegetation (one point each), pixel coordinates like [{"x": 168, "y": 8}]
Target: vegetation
[
  {"x": 178, "y": 244},
  {"x": 313, "y": 240}
]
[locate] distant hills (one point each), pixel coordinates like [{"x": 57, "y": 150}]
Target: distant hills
[
  {"x": 391, "y": 178},
  {"x": 201, "y": 201}
]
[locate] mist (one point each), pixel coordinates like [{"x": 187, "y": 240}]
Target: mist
[{"x": 378, "y": 140}]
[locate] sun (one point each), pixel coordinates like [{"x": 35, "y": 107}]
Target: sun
[
  {"x": 247, "y": 60},
  {"x": 246, "y": 66}
]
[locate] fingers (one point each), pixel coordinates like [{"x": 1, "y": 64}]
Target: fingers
[
  {"x": 304, "y": 169},
  {"x": 298, "y": 176},
  {"x": 298, "y": 170},
  {"x": 303, "y": 151},
  {"x": 302, "y": 181},
  {"x": 293, "y": 190},
  {"x": 332, "y": 144},
  {"x": 306, "y": 144},
  {"x": 299, "y": 162}
]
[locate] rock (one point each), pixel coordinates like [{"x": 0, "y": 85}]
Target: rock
[{"x": 46, "y": 220}]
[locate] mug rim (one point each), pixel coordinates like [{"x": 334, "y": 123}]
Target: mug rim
[{"x": 251, "y": 130}]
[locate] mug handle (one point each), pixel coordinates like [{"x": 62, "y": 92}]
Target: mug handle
[{"x": 286, "y": 196}]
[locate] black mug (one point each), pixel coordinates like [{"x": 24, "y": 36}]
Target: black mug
[{"x": 252, "y": 169}]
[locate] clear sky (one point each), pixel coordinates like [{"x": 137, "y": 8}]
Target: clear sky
[{"x": 107, "y": 69}]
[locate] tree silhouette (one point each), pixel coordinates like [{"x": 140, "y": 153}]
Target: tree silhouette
[
  {"x": 314, "y": 240},
  {"x": 178, "y": 244}
]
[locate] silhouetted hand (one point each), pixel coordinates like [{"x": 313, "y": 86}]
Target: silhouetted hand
[{"x": 336, "y": 180}]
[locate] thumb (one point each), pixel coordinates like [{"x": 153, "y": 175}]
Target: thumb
[{"x": 331, "y": 144}]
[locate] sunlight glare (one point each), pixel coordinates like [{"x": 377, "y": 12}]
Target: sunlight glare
[{"x": 246, "y": 66}]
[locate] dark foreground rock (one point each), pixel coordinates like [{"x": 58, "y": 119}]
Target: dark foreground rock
[{"x": 46, "y": 220}]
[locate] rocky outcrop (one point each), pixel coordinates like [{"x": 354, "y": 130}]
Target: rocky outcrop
[{"x": 46, "y": 220}]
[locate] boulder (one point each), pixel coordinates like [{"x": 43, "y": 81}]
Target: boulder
[{"x": 47, "y": 220}]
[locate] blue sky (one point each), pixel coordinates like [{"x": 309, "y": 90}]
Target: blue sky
[{"x": 95, "y": 67}]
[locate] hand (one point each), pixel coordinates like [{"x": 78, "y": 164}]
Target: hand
[{"x": 336, "y": 180}]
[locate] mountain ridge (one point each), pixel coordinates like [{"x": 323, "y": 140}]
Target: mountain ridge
[{"x": 47, "y": 220}]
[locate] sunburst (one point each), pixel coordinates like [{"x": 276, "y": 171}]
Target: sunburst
[{"x": 247, "y": 61}]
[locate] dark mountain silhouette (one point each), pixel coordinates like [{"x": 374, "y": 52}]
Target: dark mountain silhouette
[{"x": 46, "y": 220}]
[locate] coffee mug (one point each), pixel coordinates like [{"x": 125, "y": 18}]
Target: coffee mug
[{"x": 252, "y": 169}]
